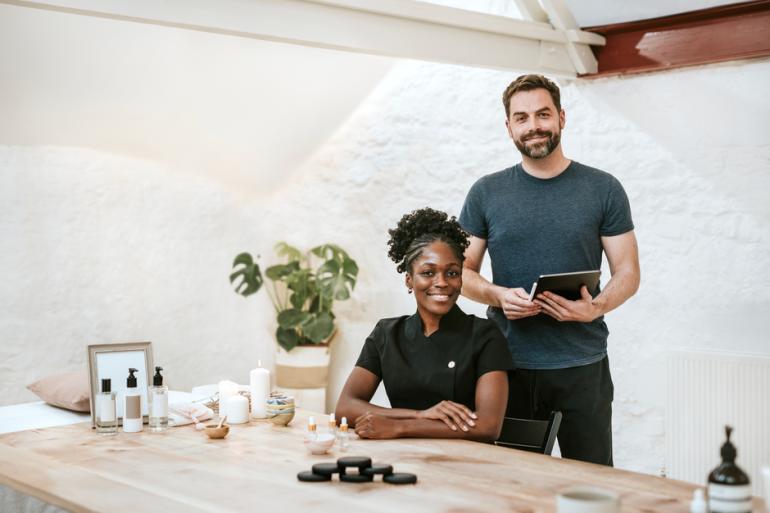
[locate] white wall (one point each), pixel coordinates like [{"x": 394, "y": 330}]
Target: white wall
[
  {"x": 102, "y": 246},
  {"x": 691, "y": 149}
]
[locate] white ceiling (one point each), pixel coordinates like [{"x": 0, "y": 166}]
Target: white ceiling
[
  {"x": 248, "y": 112},
  {"x": 590, "y": 13},
  {"x": 604, "y": 12}
]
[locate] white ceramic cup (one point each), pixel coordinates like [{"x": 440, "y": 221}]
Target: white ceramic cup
[{"x": 587, "y": 499}]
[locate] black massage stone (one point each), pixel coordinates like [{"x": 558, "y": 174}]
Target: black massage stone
[
  {"x": 400, "y": 478},
  {"x": 378, "y": 468},
  {"x": 356, "y": 478},
  {"x": 325, "y": 469},
  {"x": 309, "y": 476},
  {"x": 359, "y": 462}
]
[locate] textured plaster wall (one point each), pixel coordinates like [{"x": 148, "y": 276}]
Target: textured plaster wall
[
  {"x": 690, "y": 147},
  {"x": 103, "y": 247}
]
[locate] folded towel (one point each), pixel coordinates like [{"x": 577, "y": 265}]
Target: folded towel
[{"x": 181, "y": 414}]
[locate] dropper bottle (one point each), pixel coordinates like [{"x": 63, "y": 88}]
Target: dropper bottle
[
  {"x": 312, "y": 432},
  {"x": 343, "y": 435},
  {"x": 332, "y": 425}
]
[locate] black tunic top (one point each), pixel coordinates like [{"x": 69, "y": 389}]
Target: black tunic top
[{"x": 419, "y": 372}]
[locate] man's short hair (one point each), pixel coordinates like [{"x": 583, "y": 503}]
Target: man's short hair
[{"x": 528, "y": 83}]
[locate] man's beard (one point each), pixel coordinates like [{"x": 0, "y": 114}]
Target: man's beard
[{"x": 538, "y": 150}]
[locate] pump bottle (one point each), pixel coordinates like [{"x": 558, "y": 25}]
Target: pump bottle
[
  {"x": 132, "y": 405},
  {"x": 728, "y": 486},
  {"x": 158, "y": 403}
]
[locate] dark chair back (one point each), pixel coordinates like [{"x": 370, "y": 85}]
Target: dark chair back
[{"x": 530, "y": 435}]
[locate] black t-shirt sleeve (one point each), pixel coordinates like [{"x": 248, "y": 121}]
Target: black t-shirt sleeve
[
  {"x": 369, "y": 358},
  {"x": 472, "y": 217},
  {"x": 617, "y": 212},
  {"x": 492, "y": 351}
]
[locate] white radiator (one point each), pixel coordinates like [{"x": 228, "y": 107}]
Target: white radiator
[{"x": 705, "y": 391}]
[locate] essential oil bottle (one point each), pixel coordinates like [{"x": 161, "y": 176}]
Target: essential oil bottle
[
  {"x": 106, "y": 416},
  {"x": 312, "y": 431},
  {"x": 343, "y": 436},
  {"x": 158, "y": 403}
]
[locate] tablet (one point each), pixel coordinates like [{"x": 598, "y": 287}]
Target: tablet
[{"x": 567, "y": 285}]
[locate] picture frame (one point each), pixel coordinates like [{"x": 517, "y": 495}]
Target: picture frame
[{"x": 113, "y": 361}]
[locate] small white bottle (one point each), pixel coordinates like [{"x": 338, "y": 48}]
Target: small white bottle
[
  {"x": 132, "y": 405},
  {"x": 158, "y": 403},
  {"x": 106, "y": 418},
  {"x": 343, "y": 436},
  {"x": 332, "y": 427}
]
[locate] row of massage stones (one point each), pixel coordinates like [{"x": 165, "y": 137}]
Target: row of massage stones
[{"x": 366, "y": 472}]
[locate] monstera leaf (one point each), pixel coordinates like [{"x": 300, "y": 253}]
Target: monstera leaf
[
  {"x": 337, "y": 275},
  {"x": 287, "y": 338},
  {"x": 301, "y": 294},
  {"x": 303, "y": 287},
  {"x": 279, "y": 272},
  {"x": 291, "y": 253},
  {"x": 252, "y": 277},
  {"x": 293, "y": 318},
  {"x": 319, "y": 327}
]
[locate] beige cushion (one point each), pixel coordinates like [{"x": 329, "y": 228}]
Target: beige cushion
[{"x": 70, "y": 390}]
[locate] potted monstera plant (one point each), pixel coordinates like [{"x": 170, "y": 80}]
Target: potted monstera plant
[{"x": 303, "y": 289}]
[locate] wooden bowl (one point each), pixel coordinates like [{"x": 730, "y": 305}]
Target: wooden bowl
[{"x": 215, "y": 432}]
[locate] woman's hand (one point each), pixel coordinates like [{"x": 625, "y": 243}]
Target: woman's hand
[
  {"x": 371, "y": 425},
  {"x": 452, "y": 414}
]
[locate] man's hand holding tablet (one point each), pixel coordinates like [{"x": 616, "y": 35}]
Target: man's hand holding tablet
[
  {"x": 580, "y": 309},
  {"x": 516, "y": 303}
]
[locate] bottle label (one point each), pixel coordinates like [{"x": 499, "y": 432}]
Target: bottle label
[
  {"x": 106, "y": 408},
  {"x": 159, "y": 405},
  {"x": 133, "y": 407},
  {"x": 729, "y": 498}
]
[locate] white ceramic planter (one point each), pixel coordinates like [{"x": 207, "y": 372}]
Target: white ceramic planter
[{"x": 303, "y": 373}]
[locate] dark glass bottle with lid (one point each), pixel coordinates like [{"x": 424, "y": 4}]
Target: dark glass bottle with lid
[{"x": 728, "y": 485}]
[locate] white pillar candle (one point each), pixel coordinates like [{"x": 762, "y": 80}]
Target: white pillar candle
[
  {"x": 237, "y": 409},
  {"x": 227, "y": 389},
  {"x": 259, "y": 385}
]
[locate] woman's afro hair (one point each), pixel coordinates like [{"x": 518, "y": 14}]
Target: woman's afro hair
[{"x": 428, "y": 225}]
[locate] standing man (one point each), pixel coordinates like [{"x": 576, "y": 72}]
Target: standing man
[{"x": 547, "y": 215}]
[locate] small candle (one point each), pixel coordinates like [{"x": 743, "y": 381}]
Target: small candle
[
  {"x": 259, "y": 385},
  {"x": 237, "y": 409},
  {"x": 227, "y": 389}
]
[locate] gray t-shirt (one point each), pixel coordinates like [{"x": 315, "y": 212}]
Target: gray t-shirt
[{"x": 534, "y": 226}]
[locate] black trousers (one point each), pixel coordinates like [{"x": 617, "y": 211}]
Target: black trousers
[{"x": 583, "y": 395}]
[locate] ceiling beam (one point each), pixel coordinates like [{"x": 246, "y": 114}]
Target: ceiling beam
[
  {"x": 396, "y": 28},
  {"x": 717, "y": 34},
  {"x": 580, "y": 52}
]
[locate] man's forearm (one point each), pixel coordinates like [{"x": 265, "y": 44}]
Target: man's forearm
[
  {"x": 623, "y": 284},
  {"x": 479, "y": 289}
]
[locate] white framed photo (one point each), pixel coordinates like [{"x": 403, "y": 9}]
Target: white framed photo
[{"x": 112, "y": 361}]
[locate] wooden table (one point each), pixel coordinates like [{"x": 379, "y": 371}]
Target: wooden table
[{"x": 255, "y": 468}]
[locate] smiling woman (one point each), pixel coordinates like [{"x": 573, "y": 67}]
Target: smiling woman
[{"x": 444, "y": 371}]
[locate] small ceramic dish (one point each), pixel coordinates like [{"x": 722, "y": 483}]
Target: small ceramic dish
[
  {"x": 321, "y": 444},
  {"x": 280, "y": 419},
  {"x": 216, "y": 432}
]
